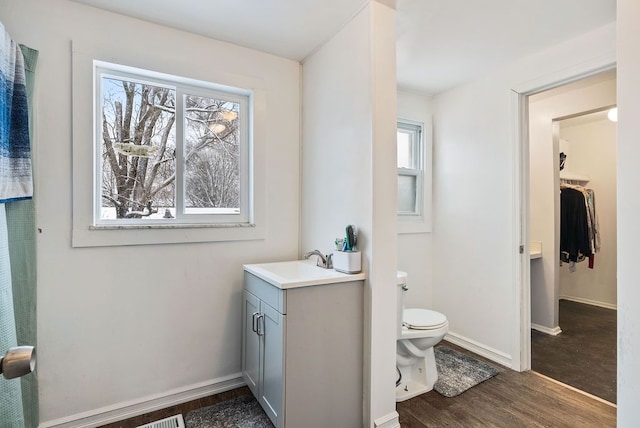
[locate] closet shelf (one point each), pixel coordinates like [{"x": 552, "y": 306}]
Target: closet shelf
[{"x": 574, "y": 177}]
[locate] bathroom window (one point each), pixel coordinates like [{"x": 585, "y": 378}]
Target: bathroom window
[
  {"x": 410, "y": 169},
  {"x": 169, "y": 150},
  {"x": 414, "y": 176}
]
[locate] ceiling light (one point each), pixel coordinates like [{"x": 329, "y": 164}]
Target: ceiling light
[{"x": 613, "y": 114}]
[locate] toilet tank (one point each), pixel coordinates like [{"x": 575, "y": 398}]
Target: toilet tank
[{"x": 400, "y": 283}]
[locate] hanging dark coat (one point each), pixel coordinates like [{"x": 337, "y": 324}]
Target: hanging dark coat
[{"x": 575, "y": 243}]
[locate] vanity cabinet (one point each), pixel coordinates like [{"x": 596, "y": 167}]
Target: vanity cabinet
[
  {"x": 302, "y": 349},
  {"x": 262, "y": 356}
]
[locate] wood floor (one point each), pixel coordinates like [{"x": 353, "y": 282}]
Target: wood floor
[
  {"x": 510, "y": 399},
  {"x": 584, "y": 354}
]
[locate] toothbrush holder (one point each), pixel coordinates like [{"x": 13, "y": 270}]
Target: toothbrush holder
[{"x": 347, "y": 261}]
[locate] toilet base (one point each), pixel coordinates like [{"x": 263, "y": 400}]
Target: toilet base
[
  {"x": 410, "y": 389},
  {"x": 418, "y": 377}
]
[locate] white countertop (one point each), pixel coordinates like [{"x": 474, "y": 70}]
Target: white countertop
[
  {"x": 535, "y": 250},
  {"x": 299, "y": 273}
]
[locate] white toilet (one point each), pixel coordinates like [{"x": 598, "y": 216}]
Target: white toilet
[{"x": 419, "y": 330}]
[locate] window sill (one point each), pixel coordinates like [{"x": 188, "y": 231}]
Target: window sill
[
  {"x": 170, "y": 226},
  {"x": 124, "y": 235},
  {"x": 406, "y": 226}
]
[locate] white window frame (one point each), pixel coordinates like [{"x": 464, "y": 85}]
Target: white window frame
[
  {"x": 415, "y": 130},
  {"x": 182, "y": 87},
  {"x": 418, "y": 220},
  {"x": 85, "y": 233}
]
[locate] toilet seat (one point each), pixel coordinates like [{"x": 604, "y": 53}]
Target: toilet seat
[{"x": 423, "y": 319}]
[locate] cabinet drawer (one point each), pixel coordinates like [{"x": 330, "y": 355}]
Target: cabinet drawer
[{"x": 266, "y": 292}]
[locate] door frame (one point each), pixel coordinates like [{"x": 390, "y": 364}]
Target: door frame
[{"x": 521, "y": 267}]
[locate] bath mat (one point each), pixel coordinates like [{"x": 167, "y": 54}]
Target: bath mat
[
  {"x": 458, "y": 372},
  {"x": 240, "y": 412}
]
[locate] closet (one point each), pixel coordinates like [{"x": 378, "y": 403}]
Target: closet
[
  {"x": 564, "y": 120},
  {"x": 588, "y": 178},
  {"x": 572, "y": 185}
]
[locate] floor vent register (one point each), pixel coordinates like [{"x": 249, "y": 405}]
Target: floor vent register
[{"x": 172, "y": 422}]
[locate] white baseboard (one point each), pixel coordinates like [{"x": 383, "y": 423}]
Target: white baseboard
[
  {"x": 392, "y": 420},
  {"x": 552, "y": 331},
  {"x": 480, "y": 349},
  {"x": 590, "y": 302},
  {"x": 129, "y": 409}
]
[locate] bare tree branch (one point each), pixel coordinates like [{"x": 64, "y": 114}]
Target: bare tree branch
[
  {"x": 164, "y": 108},
  {"x": 140, "y": 214},
  {"x": 116, "y": 202},
  {"x": 162, "y": 185},
  {"x": 163, "y": 149}
]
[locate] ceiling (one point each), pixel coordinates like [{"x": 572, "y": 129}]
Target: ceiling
[{"x": 441, "y": 43}]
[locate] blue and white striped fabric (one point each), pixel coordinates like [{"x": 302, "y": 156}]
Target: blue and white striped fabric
[{"x": 15, "y": 152}]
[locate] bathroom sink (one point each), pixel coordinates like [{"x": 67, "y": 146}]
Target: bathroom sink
[{"x": 299, "y": 273}]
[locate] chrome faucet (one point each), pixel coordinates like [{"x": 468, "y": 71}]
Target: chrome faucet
[{"x": 323, "y": 261}]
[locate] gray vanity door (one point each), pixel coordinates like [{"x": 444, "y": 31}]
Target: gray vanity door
[
  {"x": 251, "y": 342},
  {"x": 273, "y": 334}
]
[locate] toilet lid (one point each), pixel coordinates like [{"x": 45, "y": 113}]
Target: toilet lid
[{"x": 423, "y": 319}]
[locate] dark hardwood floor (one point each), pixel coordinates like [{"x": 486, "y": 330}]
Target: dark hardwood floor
[
  {"x": 509, "y": 399},
  {"x": 584, "y": 354}
]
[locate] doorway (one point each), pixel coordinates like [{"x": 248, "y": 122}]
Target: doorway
[{"x": 572, "y": 305}]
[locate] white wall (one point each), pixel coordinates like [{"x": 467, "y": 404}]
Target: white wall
[
  {"x": 593, "y": 152},
  {"x": 415, "y": 249},
  {"x": 475, "y": 230},
  {"x": 544, "y": 184},
  {"x": 126, "y": 324},
  {"x": 629, "y": 205},
  {"x": 349, "y": 176}
]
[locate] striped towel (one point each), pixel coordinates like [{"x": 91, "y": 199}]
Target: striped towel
[{"x": 15, "y": 152}]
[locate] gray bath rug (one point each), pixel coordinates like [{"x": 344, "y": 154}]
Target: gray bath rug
[
  {"x": 458, "y": 372},
  {"x": 240, "y": 412}
]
